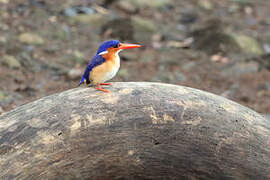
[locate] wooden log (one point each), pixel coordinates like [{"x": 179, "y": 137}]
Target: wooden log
[{"x": 138, "y": 131}]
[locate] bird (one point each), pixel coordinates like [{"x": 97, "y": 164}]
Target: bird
[{"x": 105, "y": 64}]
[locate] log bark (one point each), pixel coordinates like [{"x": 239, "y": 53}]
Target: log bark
[{"x": 138, "y": 131}]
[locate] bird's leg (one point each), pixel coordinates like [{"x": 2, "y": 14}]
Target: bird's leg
[
  {"x": 105, "y": 84},
  {"x": 100, "y": 89}
]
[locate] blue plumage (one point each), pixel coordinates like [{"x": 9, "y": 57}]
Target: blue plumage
[
  {"x": 107, "y": 44},
  {"x": 97, "y": 59}
]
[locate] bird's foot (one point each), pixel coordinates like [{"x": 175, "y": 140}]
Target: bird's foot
[
  {"x": 105, "y": 84},
  {"x": 100, "y": 89}
]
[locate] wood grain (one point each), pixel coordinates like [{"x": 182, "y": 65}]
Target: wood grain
[{"x": 138, "y": 131}]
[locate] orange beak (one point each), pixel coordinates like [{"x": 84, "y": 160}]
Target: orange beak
[{"x": 128, "y": 46}]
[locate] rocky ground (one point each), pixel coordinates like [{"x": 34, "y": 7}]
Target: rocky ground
[{"x": 219, "y": 46}]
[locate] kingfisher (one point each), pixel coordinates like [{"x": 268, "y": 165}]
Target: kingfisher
[{"x": 105, "y": 64}]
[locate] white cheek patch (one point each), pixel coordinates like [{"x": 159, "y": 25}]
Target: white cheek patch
[
  {"x": 103, "y": 52},
  {"x": 117, "y": 52}
]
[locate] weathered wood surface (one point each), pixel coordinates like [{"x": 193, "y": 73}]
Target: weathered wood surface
[{"x": 138, "y": 131}]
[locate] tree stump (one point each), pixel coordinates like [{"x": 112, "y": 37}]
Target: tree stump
[{"x": 138, "y": 131}]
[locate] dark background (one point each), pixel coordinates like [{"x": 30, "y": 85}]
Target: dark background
[{"x": 219, "y": 46}]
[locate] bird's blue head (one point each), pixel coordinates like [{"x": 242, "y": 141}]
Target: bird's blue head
[{"x": 108, "y": 44}]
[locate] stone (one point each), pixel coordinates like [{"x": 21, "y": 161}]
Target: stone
[
  {"x": 31, "y": 38},
  {"x": 74, "y": 73},
  {"x": 188, "y": 16},
  {"x": 205, "y": 4},
  {"x": 2, "y": 96},
  {"x": 77, "y": 57},
  {"x": 1, "y": 110},
  {"x": 147, "y": 56},
  {"x": 188, "y": 66},
  {"x": 265, "y": 86},
  {"x": 267, "y": 116},
  {"x": 143, "y": 29},
  {"x": 212, "y": 39},
  {"x": 4, "y": 1},
  {"x": 181, "y": 77},
  {"x": 129, "y": 56},
  {"x": 95, "y": 21},
  {"x": 91, "y": 19},
  {"x": 123, "y": 73},
  {"x": 78, "y": 54},
  {"x": 75, "y": 10},
  {"x": 157, "y": 4},
  {"x": 241, "y": 68},
  {"x": 248, "y": 44},
  {"x": 11, "y": 62},
  {"x": 114, "y": 29},
  {"x": 126, "y": 6}
]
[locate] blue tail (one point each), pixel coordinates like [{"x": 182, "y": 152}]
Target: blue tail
[
  {"x": 82, "y": 80},
  {"x": 85, "y": 76},
  {"x": 95, "y": 61}
]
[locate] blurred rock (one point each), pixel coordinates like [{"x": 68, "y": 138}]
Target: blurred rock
[
  {"x": 143, "y": 29},
  {"x": 162, "y": 76},
  {"x": 267, "y": 116},
  {"x": 31, "y": 38},
  {"x": 95, "y": 21},
  {"x": 123, "y": 73},
  {"x": 60, "y": 33},
  {"x": 169, "y": 57},
  {"x": 180, "y": 44},
  {"x": 234, "y": 8},
  {"x": 126, "y": 6},
  {"x": 248, "y": 44},
  {"x": 265, "y": 86},
  {"x": 229, "y": 93},
  {"x": 135, "y": 29},
  {"x": 4, "y": 1},
  {"x": 147, "y": 56},
  {"x": 188, "y": 16},
  {"x": 26, "y": 59},
  {"x": 78, "y": 54},
  {"x": 151, "y": 4},
  {"x": 129, "y": 56},
  {"x": 181, "y": 77},
  {"x": 241, "y": 68},
  {"x": 39, "y": 15},
  {"x": 266, "y": 48},
  {"x": 263, "y": 90},
  {"x": 242, "y": 2},
  {"x": 53, "y": 48},
  {"x": 219, "y": 58},
  {"x": 74, "y": 74},
  {"x": 75, "y": 10},
  {"x": 1, "y": 95},
  {"x": 11, "y": 62},
  {"x": 188, "y": 66},
  {"x": 1, "y": 110},
  {"x": 26, "y": 89},
  {"x": 205, "y": 4},
  {"x": 114, "y": 29},
  {"x": 213, "y": 40},
  {"x": 77, "y": 57}
]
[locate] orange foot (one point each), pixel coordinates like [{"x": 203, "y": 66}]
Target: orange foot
[
  {"x": 105, "y": 84},
  {"x": 100, "y": 89}
]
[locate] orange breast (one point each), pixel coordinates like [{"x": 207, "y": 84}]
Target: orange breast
[{"x": 106, "y": 70}]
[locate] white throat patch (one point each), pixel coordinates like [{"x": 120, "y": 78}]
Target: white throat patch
[{"x": 117, "y": 52}]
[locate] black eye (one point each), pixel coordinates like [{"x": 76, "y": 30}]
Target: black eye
[{"x": 116, "y": 45}]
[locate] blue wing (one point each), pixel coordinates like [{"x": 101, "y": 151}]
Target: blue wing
[{"x": 95, "y": 61}]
